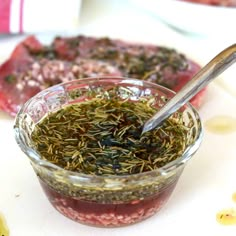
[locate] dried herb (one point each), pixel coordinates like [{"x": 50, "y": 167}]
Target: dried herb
[
  {"x": 10, "y": 79},
  {"x": 46, "y": 52},
  {"x": 101, "y": 136},
  {"x": 142, "y": 63},
  {"x": 145, "y": 62}
]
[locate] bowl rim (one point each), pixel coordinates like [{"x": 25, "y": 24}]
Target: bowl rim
[{"x": 163, "y": 171}]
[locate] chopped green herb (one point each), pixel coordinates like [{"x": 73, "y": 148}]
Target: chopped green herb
[
  {"x": 102, "y": 135},
  {"x": 10, "y": 79}
]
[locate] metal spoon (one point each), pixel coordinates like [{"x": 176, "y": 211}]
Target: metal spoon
[{"x": 215, "y": 67}]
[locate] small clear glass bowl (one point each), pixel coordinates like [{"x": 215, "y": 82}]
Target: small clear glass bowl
[{"x": 104, "y": 201}]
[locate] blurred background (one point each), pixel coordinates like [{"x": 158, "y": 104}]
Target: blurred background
[{"x": 198, "y": 28}]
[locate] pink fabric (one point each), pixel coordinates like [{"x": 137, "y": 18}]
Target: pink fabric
[
  {"x": 5, "y": 8},
  {"x": 21, "y": 16}
]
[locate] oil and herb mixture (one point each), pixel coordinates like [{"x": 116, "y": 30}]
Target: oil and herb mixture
[
  {"x": 234, "y": 197},
  {"x": 102, "y": 136},
  {"x": 4, "y": 231},
  {"x": 227, "y": 216},
  {"x": 221, "y": 124}
]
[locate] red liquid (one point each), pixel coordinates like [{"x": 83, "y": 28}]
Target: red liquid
[{"x": 107, "y": 215}]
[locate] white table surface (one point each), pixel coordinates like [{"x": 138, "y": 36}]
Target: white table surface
[{"x": 208, "y": 181}]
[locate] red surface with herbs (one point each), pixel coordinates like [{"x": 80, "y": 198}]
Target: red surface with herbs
[
  {"x": 33, "y": 67},
  {"x": 228, "y": 3}
]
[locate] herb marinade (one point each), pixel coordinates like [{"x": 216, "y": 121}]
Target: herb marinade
[{"x": 102, "y": 136}]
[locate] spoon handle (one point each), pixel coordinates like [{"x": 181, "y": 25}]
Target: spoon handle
[{"x": 215, "y": 67}]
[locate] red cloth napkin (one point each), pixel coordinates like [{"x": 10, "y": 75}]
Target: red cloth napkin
[
  {"x": 18, "y": 16},
  {"x": 5, "y": 15}
]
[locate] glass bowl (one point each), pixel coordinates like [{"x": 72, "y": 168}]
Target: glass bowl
[{"x": 111, "y": 200}]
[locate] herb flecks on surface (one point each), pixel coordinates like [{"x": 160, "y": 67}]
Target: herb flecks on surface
[
  {"x": 10, "y": 79},
  {"x": 141, "y": 62},
  {"x": 102, "y": 136},
  {"x": 160, "y": 65}
]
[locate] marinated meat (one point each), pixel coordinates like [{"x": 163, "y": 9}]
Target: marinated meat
[
  {"x": 228, "y": 3},
  {"x": 18, "y": 86},
  {"x": 146, "y": 62},
  {"x": 33, "y": 67}
]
